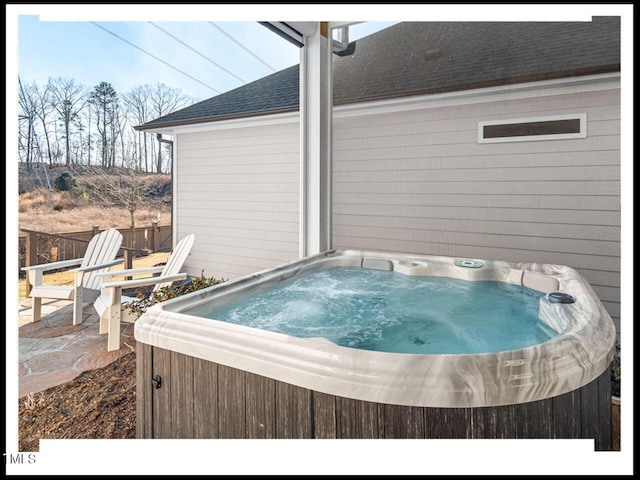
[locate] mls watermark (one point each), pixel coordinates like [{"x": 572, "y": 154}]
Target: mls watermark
[{"x": 19, "y": 458}]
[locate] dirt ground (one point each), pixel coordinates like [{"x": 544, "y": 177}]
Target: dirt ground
[{"x": 98, "y": 404}]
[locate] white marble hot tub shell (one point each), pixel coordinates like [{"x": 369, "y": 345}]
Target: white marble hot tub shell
[{"x": 580, "y": 352}]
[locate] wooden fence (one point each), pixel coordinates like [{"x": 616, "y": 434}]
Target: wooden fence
[{"x": 35, "y": 248}]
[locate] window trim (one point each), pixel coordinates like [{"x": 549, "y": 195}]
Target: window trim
[{"x": 531, "y": 138}]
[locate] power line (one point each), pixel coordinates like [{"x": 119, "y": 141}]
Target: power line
[
  {"x": 243, "y": 47},
  {"x": 154, "y": 57},
  {"x": 197, "y": 52}
]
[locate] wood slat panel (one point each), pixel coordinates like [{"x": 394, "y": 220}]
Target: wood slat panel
[
  {"x": 205, "y": 394},
  {"x": 494, "y": 422},
  {"x": 400, "y": 421},
  {"x": 593, "y": 414},
  {"x": 260, "y": 406},
  {"x": 294, "y": 418},
  {"x": 162, "y": 406},
  {"x": 356, "y": 418},
  {"x": 144, "y": 394},
  {"x": 566, "y": 415},
  {"x": 448, "y": 422},
  {"x": 253, "y": 406},
  {"x": 534, "y": 419},
  {"x": 231, "y": 403},
  {"x": 324, "y": 416},
  {"x": 604, "y": 434},
  {"x": 182, "y": 396}
]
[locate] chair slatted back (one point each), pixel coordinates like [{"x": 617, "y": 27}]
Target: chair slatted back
[
  {"x": 101, "y": 249},
  {"x": 176, "y": 259}
]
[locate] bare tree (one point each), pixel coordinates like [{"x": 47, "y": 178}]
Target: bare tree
[
  {"x": 67, "y": 98},
  {"x": 68, "y": 133},
  {"x": 165, "y": 100},
  {"x": 138, "y": 108},
  {"x": 28, "y": 106},
  {"x": 126, "y": 189},
  {"x": 43, "y": 111}
]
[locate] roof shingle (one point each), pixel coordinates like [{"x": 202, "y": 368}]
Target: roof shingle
[{"x": 419, "y": 58}]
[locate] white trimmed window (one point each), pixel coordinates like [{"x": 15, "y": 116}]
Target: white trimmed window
[{"x": 556, "y": 127}]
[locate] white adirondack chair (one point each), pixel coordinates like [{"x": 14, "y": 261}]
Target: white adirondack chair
[
  {"x": 110, "y": 304},
  {"x": 99, "y": 256}
]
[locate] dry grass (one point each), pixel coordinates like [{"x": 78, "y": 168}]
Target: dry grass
[
  {"x": 36, "y": 211},
  {"x": 91, "y": 202},
  {"x": 94, "y": 200}
]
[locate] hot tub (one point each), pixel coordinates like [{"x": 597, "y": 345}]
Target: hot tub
[{"x": 200, "y": 377}]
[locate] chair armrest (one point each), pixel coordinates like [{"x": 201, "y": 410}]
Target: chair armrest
[
  {"x": 131, "y": 272},
  {"x": 54, "y": 265},
  {"x": 141, "y": 282},
  {"x": 91, "y": 268}
]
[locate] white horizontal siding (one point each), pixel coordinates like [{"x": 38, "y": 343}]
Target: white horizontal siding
[
  {"x": 594, "y": 187},
  {"x": 551, "y": 202},
  {"x": 549, "y": 230},
  {"x": 492, "y": 161},
  {"x": 415, "y": 181},
  {"x": 419, "y": 181},
  {"x": 238, "y": 191}
]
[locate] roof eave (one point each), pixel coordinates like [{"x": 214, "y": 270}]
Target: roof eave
[{"x": 218, "y": 118}]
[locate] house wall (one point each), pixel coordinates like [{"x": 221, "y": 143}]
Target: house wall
[
  {"x": 238, "y": 190},
  {"x": 410, "y": 175},
  {"x": 414, "y": 178}
]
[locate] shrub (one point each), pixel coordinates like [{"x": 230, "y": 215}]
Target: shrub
[
  {"x": 58, "y": 207},
  {"x": 64, "y": 182},
  {"x": 142, "y": 302}
]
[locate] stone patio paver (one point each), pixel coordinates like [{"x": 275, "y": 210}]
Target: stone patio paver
[{"x": 53, "y": 351}]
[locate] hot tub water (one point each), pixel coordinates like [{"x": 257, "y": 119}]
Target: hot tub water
[{"x": 387, "y": 311}]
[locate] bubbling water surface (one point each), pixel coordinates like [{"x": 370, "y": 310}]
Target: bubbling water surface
[{"x": 390, "y": 312}]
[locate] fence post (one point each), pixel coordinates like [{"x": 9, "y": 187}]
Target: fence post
[
  {"x": 95, "y": 230},
  {"x": 31, "y": 247},
  {"x": 128, "y": 261},
  {"x": 155, "y": 239}
]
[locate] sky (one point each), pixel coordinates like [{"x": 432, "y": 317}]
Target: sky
[
  {"x": 71, "y": 41},
  {"x": 201, "y": 58}
]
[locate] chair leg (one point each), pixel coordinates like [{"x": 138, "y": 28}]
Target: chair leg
[
  {"x": 104, "y": 322},
  {"x": 113, "y": 341},
  {"x": 114, "y": 312},
  {"x": 36, "y": 308},
  {"x": 78, "y": 298},
  {"x": 77, "y": 306}
]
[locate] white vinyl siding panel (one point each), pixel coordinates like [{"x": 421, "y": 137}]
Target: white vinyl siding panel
[
  {"x": 238, "y": 191},
  {"x": 419, "y": 181}
]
